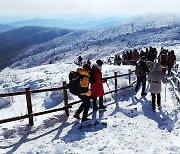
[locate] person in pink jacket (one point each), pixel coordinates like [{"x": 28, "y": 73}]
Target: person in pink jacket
[
  {"x": 97, "y": 89},
  {"x": 155, "y": 77}
]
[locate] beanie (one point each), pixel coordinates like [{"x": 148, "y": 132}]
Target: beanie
[
  {"x": 87, "y": 67},
  {"x": 99, "y": 62}
]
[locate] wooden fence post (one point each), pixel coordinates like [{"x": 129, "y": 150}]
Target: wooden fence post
[
  {"x": 129, "y": 76},
  {"x": 29, "y": 106},
  {"x": 65, "y": 97},
  {"x": 115, "y": 73}
]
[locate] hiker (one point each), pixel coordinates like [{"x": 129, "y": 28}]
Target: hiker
[
  {"x": 119, "y": 60},
  {"x": 141, "y": 71},
  {"x": 97, "y": 85},
  {"x": 162, "y": 59},
  {"x": 115, "y": 60},
  {"x": 124, "y": 58},
  {"x": 85, "y": 93},
  {"x": 135, "y": 56},
  {"x": 170, "y": 61},
  {"x": 80, "y": 60},
  {"x": 155, "y": 77}
]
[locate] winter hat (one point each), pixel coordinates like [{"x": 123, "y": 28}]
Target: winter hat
[
  {"x": 87, "y": 67},
  {"x": 99, "y": 62}
]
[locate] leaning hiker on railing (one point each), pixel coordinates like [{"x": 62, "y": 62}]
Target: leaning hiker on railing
[
  {"x": 84, "y": 93},
  {"x": 97, "y": 89}
]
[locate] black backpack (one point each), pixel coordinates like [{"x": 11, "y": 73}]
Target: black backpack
[
  {"x": 163, "y": 59},
  {"x": 139, "y": 69},
  {"x": 74, "y": 83}
]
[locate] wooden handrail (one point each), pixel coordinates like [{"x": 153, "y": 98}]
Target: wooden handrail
[{"x": 33, "y": 114}]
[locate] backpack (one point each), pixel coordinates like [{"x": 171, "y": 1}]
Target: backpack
[
  {"x": 163, "y": 59},
  {"x": 139, "y": 70},
  {"x": 91, "y": 79},
  {"x": 74, "y": 83}
]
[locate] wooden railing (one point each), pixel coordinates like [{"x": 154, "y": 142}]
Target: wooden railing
[
  {"x": 176, "y": 81},
  {"x": 67, "y": 104}
]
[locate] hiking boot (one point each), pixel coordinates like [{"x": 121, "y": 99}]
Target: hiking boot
[
  {"x": 85, "y": 119},
  {"x": 76, "y": 115},
  {"x": 102, "y": 107},
  {"x": 143, "y": 94},
  {"x": 159, "y": 107}
]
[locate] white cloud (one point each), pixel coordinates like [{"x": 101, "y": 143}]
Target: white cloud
[{"x": 94, "y": 6}]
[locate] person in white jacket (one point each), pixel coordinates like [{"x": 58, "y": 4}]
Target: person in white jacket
[{"x": 155, "y": 77}]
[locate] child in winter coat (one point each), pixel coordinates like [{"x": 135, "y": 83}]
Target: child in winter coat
[
  {"x": 155, "y": 77},
  {"x": 97, "y": 86}
]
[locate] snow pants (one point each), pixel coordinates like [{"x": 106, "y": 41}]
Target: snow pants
[
  {"x": 169, "y": 69},
  {"x": 154, "y": 99},
  {"x": 100, "y": 102},
  {"x": 141, "y": 79},
  {"x": 84, "y": 107}
]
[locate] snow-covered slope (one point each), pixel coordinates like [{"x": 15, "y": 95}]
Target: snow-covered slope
[
  {"x": 144, "y": 32},
  {"x": 140, "y": 132},
  {"x": 154, "y": 20}
]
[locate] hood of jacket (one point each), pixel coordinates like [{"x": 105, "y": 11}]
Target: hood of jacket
[
  {"x": 82, "y": 71},
  {"x": 96, "y": 66},
  {"x": 157, "y": 67}
]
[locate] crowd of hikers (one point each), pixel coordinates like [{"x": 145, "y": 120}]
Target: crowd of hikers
[{"x": 87, "y": 81}]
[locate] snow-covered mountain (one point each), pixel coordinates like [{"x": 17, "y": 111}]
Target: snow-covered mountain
[
  {"x": 132, "y": 126},
  {"x": 155, "y": 30}
]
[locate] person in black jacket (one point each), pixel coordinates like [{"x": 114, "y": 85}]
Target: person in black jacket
[{"x": 141, "y": 71}]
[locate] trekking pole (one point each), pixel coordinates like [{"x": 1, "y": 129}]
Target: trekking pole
[
  {"x": 165, "y": 91},
  {"x": 109, "y": 89}
]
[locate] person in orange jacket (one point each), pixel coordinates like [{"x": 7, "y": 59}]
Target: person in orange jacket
[{"x": 85, "y": 93}]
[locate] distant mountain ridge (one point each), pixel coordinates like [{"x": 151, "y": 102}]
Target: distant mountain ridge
[
  {"x": 12, "y": 42},
  {"x": 67, "y": 24},
  {"x": 5, "y": 28}
]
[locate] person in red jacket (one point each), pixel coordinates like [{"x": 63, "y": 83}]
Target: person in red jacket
[
  {"x": 97, "y": 89},
  {"x": 170, "y": 61}
]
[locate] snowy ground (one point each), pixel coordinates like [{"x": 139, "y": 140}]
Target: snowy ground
[{"x": 141, "y": 132}]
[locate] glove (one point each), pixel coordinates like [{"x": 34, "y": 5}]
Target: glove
[{"x": 88, "y": 93}]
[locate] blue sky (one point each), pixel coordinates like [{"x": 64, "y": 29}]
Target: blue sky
[{"x": 101, "y": 7}]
